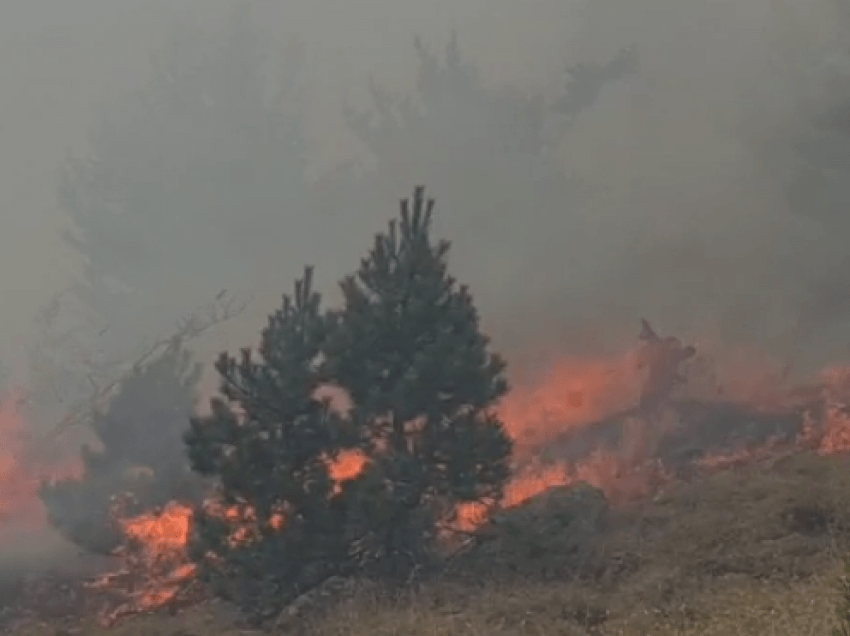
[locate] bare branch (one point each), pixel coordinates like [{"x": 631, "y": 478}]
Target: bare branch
[{"x": 223, "y": 308}]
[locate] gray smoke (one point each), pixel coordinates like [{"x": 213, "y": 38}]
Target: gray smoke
[{"x": 706, "y": 190}]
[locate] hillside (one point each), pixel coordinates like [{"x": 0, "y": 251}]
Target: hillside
[{"x": 753, "y": 549}]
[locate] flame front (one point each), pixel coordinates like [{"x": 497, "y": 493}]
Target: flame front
[
  {"x": 574, "y": 393},
  {"x": 25, "y": 463},
  {"x": 161, "y": 533}
]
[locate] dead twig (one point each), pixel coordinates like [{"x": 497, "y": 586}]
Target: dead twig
[{"x": 222, "y": 309}]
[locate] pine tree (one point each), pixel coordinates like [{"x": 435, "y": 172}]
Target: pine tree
[
  {"x": 421, "y": 384},
  {"x": 269, "y": 442},
  {"x": 140, "y": 454},
  {"x": 422, "y": 381}
]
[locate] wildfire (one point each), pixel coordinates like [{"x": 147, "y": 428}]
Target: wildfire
[
  {"x": 570, "y": 397},
  {"x": 836, "y": 389},
  {"x": 157, "y": 570},
  {"x": 164, "y": 532},
  {"x": 572, "y": 393},
  {"x": 24, "y": 465},
  {"x": 347, "y": 466}
]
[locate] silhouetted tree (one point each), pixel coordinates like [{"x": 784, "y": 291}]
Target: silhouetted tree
[
  {"x": 458, "y": 118},
  {"x": 208, "y": 157},
  {"x": 422, "y": 382},
  {"x": 189, "y": 181},
  {"x": 491, "y": 153},
  {"x": 140, "y": 461},
  {"x": 269, "y": 442},
  {"x": 454, "y": 131},
  {"x": 586, "y": 81}
]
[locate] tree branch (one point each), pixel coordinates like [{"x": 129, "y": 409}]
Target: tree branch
[{"x": 220, "y": 310}]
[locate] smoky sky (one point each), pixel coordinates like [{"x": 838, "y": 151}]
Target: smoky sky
[{"x": 685, "y": 173}]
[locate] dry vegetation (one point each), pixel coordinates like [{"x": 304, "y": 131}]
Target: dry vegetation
[{"x": 753, "y": 549}]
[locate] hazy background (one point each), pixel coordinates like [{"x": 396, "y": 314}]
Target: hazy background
[{"x": 705, "y": 191}]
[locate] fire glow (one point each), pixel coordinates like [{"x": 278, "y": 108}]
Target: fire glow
[
  {"x": 573, "y": 394},
  {"x": 25, "y": 464}
]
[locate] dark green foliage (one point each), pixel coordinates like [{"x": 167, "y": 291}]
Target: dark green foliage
[
  {"x": 421, "y": 382},
  {"x": 141, "y": 453},
  {"x": 269, "y": 440},
  {"x": 407, "y": 348}
]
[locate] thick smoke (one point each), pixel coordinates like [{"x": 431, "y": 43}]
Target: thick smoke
[
  {"x": 705, "y": 190},
  {"x": 693, "y": 215},
  {"x": 679, "y": 209}
]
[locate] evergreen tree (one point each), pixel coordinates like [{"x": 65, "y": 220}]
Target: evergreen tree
[
  {"x": 269, "y": 442},
  {"x": 140, "y": 454},
  {"x": 586, "y": 81},
  {"x": 422, "y": 382}
]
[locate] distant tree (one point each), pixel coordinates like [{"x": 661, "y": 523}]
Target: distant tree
[
  {"x": 586, "y": 81},
  {"x": 407, "y": 349},
  {"x": 463, "y": 133},
  {"x": 188, "y": 181},
  {"x": 455, "y": 120},
  {"x": 269, "y": 442},
  {"x": 140, "y": 454},
  {"x": 811, "y": 161},
  {"x": 818, "y": 153},
  {"x": 458, "y": 117},
  {"x": 491, "y": 152}
]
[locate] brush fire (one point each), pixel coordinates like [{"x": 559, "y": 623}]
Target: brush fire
[{"x": 627, "y": 424}]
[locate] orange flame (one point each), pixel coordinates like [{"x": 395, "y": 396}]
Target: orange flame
[
  {"x": 347, "y": 466},
  {"x": 573, "y": 393},
  {"x": 24, "y": 464},
  {"x": 167, "y": 531}
]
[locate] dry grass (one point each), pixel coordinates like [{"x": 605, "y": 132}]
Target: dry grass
[
  {"x": 731, "y": 608},
  {"x": 748, "y": 551}
]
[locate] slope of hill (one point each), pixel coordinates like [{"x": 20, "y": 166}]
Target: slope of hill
[{"x": 753, "y": 549}]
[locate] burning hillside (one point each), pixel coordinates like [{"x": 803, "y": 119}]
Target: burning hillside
[
  {"x": 584, "y": 420},
  {"x": 24, "y": 463}
]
